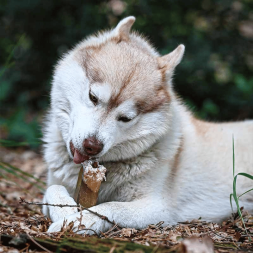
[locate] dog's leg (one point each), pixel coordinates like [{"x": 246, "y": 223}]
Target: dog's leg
[
  {"x": 137, "y": 214},
  {"x": 57, "y": 194}
]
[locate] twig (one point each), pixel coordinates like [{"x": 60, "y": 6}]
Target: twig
[
  {"x": 81, "y": 217},
  {"x": 112, "y": 249},
  {"x": 221, "y": 236},
  {"x": 111, "y": 229},
  {"x": 82, "y": 227},
  {"x": 26, "y": 248},
  {"x": 23, "y": 201},
  {"x": 114, "y": 233},
  {"x": 49, "y": 251}
]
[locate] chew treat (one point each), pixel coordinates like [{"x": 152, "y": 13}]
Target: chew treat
[{"x": 89, "y": 180}]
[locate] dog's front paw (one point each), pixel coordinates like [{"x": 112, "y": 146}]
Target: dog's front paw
[
  {"x": 81, "y": 222},
  {"x": 57, "y": 195}
]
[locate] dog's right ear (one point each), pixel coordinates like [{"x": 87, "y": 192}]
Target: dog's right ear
[
  {"x": 123, "y": 28},
  {"x": 170, "y": 61}
]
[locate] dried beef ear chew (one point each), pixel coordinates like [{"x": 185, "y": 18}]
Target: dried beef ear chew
[{"x": 89, "y": 180}]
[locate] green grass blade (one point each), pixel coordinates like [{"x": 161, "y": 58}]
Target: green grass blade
[
  {"x": 24, "y": 176},
  {"x": 234, "y": 194},
  {"x": 10, "y": 143},
  {"x": 233, "y": 156},
  {"x": 245, "y": 192},
  {"x": 8, "y": 63},
  {"x": 245, "y": 175},
  {"x": 231, "y": 204},
  {"x": 18, "y": 176},
  {"x": 19, "y": 186},
  {"x": 6, "y": 169},
  {"x": 23, "y": 172},
  {"x": 234, "y": 182},
  {"x": 237, "y": 199}
]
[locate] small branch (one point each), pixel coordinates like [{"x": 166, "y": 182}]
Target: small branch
[
  {"x": 111, "y": 229},
  {"x": 114, "y": 233},
  {"x": 49, "y": 251},
  {"x": 23, "y": 201},
  {"x": 112, "y": 249}
]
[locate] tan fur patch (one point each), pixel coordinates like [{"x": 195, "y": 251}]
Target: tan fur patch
[
  {"x": 161, "y": 97},
  {"x": 201, "y": 127},
  {"x": 131, "y": 71},
  {"x": 175, "y": 165},
  {"x": 92, "y": 73},
  {"x": 116, "y": 99},
  {"x": 163, "y": 72},
  {"x": 177, "y": 159}
]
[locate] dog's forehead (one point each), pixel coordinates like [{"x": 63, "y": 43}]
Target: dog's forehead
[
  {"x": 129, "y": 72},
  {"x": 119, "y": 64}
]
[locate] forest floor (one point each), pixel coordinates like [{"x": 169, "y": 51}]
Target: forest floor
[{"x": 23, "y": 227}]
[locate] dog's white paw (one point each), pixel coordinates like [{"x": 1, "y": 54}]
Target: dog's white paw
[
  {"x": 57, "y": 194},
  {"x": 83, "y": 222},
  {"x": 56, "y": 226}
]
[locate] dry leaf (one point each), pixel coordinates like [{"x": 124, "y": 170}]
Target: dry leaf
[
  {"x": 197, "y": 245},
  {"x": 127, "y": 232}
]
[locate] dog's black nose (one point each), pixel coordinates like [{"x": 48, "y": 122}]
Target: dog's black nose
[{"x": 92, "y": 146}]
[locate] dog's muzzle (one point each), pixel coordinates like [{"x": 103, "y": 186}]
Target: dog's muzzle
[{"x": 91, "y": 147}]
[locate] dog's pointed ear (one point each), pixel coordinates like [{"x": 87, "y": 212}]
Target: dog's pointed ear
[
  {"x": 170, "y": 61},
  {"x": 122, "y": 30}
]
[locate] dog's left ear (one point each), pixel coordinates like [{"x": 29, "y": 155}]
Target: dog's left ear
[
  {"x": 170, "y": 61},
  {"x": 123, "y": 28}
]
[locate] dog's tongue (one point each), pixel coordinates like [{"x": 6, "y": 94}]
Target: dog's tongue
[{"x": 79, "y": 158}]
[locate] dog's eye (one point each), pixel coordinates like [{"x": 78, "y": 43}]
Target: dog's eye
[
  {"x": 124, "y": 119},
  {"x": 93, "y": 99}
]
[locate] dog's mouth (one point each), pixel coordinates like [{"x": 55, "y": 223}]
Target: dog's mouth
[{"x": 78, "y": 158}]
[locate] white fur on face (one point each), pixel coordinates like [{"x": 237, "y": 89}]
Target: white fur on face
[
  {"x": 102, "y": 92},
  {"x": 128, "y": 109},
  {"x": 74, "y": 110},
  {"x": 113, "y": 131},
  {"x": 63, "y": 92},
  {"x": 78, "y": 118}
]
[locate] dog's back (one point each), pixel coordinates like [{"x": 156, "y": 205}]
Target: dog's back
[{"x": 205, "y": 165}]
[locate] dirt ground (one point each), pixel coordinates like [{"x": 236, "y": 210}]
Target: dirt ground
[{"x": 19, "y": 221}]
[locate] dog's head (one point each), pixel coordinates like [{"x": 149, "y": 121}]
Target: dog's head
[{"x": 111, "y": 95}]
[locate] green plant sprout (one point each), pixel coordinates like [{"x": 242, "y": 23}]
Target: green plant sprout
[
  {"x": 234, "y": 195},
  {"x": 8, "y": 62},
  {"x": 11, "y": 143},
  {"x": 25, "y": 176}
]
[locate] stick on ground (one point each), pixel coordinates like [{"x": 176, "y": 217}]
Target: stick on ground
[{"x": 103, "y": 217}]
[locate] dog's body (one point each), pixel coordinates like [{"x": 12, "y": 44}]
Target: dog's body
[{"x": 162, "y": 163}]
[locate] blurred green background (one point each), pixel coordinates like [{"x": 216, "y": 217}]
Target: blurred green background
[{"x": 215, "y": 77}]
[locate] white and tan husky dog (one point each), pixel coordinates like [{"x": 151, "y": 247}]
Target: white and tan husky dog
[{"x": 112, "y": 98}]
